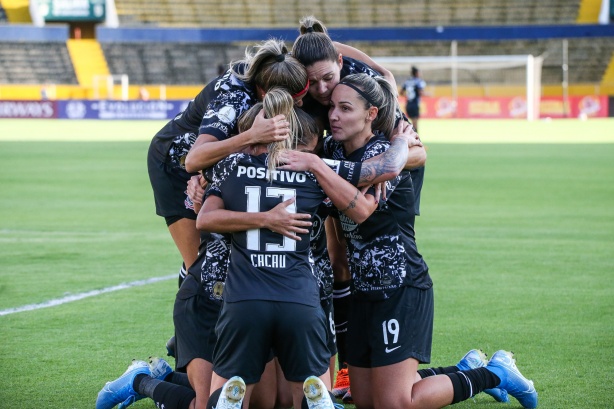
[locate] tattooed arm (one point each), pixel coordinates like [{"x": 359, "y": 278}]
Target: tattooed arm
[
  {"x": 346, "y": 197},
  {"x": 405, "y": 152}
]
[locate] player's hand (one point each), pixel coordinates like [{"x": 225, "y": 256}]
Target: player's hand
[
  {"x": 269, "y": 130},
  {"x": 380, "y": 192},
  {"x": 196, "y": 191},
  {"x": 296, "y": 161},
  {"x": 406, "y": 131},
  {"x": 286, "y": 223}
]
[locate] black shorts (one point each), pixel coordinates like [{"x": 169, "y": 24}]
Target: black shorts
[
  {"x": 194, "y": 316},
  {"x": 248, "y": 330},
  {"x": 327, "y": 307},
  {"x": 413, "y": 110},
  {"x": 169, "y": 186},
  {"x": 389, "y": 331}
]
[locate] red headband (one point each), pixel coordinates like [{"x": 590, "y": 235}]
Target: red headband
[{"x": 301, "y": 92}]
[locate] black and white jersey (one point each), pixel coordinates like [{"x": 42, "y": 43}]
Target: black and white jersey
[
  {"x": 319, "y": 252},
  {"x": 413, "y": 86},
  {"x": 211, "y": 265},
  {"x": 215, "y": 111},
  {"x": 382, "y": 252},
  {"x": 265, "y": 265}
]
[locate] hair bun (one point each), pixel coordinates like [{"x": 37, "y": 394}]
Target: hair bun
[
  {"x": 280, "y": 57},
  {"x": 310, "y": 29}
]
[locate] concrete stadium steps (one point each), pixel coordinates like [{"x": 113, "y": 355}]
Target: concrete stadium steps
[
  {"x": 35, "y": 63},
  {"x": 17, "y": 11},
  {"x": 88, "y": 60},
  {"x": 169, "y": 63},
  {"x": 347, "y": 13},
  {"x": 588, "y": 12}
]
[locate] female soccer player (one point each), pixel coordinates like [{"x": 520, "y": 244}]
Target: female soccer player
[
  {"x": 196, "y": 311},
  {"x": 326, "y": 66},
  {"x": 213, "y": 115},
  {"x": 391, "y": 319},
  {"x": 270, "y": 281}
]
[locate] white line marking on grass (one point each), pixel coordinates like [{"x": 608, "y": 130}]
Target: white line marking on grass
[{"x": 80, "y": 296}]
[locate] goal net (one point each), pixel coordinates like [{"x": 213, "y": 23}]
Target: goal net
[{"x": 482, "y": 76}]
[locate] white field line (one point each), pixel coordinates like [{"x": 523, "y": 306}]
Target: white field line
[{"x": 80, "y": 296}]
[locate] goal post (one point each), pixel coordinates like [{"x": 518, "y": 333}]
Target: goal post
[
  {"x": 520, "y": 73},
  {"x": 107, "y": 82}
]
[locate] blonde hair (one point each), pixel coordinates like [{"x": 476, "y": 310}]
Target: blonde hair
[
  {"x": 377, "y": 92},
  {"x": 277, "y": 101},
  {"x": 270, "y": 66}
]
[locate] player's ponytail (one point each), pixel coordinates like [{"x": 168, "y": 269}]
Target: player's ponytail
[
  {"x": 271, "y": 65},
  {"x": 310, "y": 24},
  {"x": 278, "y": 101},
  {"x": 313, "y": 44}
]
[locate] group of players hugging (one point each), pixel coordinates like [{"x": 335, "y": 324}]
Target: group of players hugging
[{"x": 290, "y": 185}]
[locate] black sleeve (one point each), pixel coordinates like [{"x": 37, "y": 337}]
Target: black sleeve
[{"x": 349, "y": 171}]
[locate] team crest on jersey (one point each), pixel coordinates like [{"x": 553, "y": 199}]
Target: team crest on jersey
[{"x": 227, "y": 114}]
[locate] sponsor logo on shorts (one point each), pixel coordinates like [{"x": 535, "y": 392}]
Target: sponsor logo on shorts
[{"x": 389, "y": 350}]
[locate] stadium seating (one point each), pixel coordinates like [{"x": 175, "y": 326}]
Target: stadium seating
[
  {"x": 194, "y": 63},
  {"x": 169, "y": 63},
  {"x": 347, "y": 13},
  {"x": 35, "y": 63}
]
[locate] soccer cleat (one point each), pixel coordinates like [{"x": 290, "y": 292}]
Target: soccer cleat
[
  {"x": 476, "y": 358},
  {"x": 159, "y": 368},
  {"x": 232, "y": 394},
  {"x": 342, "y": 383},
  {"x": 121, "y": 390},
  {"x": 316, "y": 393},
  {"x": 503, "y": 365},
  {"x": 347, "y": 398},
  {"x": 170, "y": 347}
]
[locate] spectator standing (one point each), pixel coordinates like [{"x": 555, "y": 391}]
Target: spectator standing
[{"x": 413, "y": 89}]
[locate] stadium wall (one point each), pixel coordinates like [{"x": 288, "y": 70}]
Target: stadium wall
[
  {"x": 205, "y": 35},
  {"x": 28, "y": 32},
  {"x": 61, "y": 34}
]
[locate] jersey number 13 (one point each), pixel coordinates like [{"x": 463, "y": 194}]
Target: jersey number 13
[{"x": 253, "y": 206}]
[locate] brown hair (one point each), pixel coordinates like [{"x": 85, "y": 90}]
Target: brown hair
[{"x": 313, "y": 44}]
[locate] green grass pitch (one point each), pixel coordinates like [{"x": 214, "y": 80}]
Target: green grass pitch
[{"x": 517, "y": 227}]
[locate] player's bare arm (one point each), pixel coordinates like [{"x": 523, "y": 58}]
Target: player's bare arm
[
  {"x": 214, "y": 217},
  {"x": 405, "y": 152},
  {"x": 343, "y": 194},
  {"x": 356, "y": 54},
  {"x": 208, "y": 150}
]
